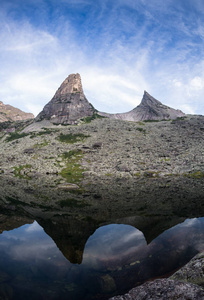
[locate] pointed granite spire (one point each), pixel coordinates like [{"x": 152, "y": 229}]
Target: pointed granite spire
[
  {"x": 69, "y": 103},
  {"x": 148, "y": 109}
]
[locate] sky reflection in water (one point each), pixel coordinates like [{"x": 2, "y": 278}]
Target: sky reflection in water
[{"x": 30, "y": 260}]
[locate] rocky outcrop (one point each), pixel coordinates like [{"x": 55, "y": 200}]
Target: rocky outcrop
[
  {"x": 69, "y": 103},
  {"x": 186, "y": 283},
  {"x": 164, "y": 289},
  {"x": 10, "y": 113},
  {"x": 149, "y": 109},
  {"x": 193, "y": 272}
]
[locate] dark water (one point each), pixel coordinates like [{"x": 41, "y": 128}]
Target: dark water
[{"x": 115, "y": 259}]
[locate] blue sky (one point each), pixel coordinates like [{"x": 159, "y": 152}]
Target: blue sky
[{"x": 120, "y": 48}]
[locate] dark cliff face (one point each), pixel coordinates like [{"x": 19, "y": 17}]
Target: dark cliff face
[{"x": 69, "y": 103}]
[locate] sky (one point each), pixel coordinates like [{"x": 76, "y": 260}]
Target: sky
[{"x": 119, "y": 47}]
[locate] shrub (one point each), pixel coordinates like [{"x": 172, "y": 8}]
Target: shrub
[
  {"x": 15, "y": 135},
  {"x": 72, "y": 138}
]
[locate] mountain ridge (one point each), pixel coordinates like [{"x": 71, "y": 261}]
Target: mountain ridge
[
  {"x": 149, "y": 109},
  {"x": 11, "y": 113},
  {"x": 69, "y": 105}
]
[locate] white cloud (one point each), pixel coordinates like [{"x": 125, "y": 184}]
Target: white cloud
[
  {"x": 111, "y": 90},
  {"x": 197, "y": 83},
  {"x": 116, "y": 64},
  {"x": 34, "y": 227}
]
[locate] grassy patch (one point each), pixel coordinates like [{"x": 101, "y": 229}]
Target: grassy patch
[
  {"x": 181, "y": 118},
  {"x": 22, "y": 171},
  {"x": 151, "y": 174},
  {"x": 45, "y": 131},
  {"x": 15, "y": 136},
  {"x": 71, "y": 154},
  {"x": 73, "y": 171},
  {"x": 91, "y": 118},
  {"x": 150, "y": 121},
  {"x": 197, "y": 174},
  {"x": 72, "y": 138},
  {"x": 137, "y": 174},
  {"x": 41, "y": 145},
  {"x": 165, "y": 159},
  {"x": 142, "y": 130}
]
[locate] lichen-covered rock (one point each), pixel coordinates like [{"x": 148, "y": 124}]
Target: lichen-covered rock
[
  {"x": 192, "y": 272},
  {"x": 69, "y": 103},
  {"x": 164, "y": 289}
]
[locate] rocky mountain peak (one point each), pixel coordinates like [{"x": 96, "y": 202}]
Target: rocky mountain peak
[
  {"x": 148, "y": 109},
  {"x": 152, "y": 109},
  {"x": 69, "y": 103},
  {"x": 149, "y": 100},
  {"x": 10, "y": 113},
  {"x": 72, "y": 84}
]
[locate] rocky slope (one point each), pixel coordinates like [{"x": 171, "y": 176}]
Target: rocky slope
[
  {"x": 108, "y": 158},
  {"x": 69, "y": 103},
  {"x": 10, "y": 113},
  {"x": 148, "y": 109}
]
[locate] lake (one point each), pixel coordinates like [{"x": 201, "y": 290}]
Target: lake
[{"x": 57, "y": 259}]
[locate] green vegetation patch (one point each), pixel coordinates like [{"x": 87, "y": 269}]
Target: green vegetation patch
[
  {"x": 45, "y": 131},
  {"x": 72, "y": 153},
  {"x": 140, "y": 123},
  {"x": 197, "y": 174},
  {"x": 15, "y": 136},
  {"x": 73, "y": 172},
  {"x": 142, "y": 130},
  {"x": 72, "y": 138},
  {"x": 150, "y": 121},
  {"x": 181, "y": 118},
  {"x": 41, "y": 145},
  {"x": 91, "y": 118},
  {"x": 22, "y": 171},
  {"x": 151, "y": 174}
]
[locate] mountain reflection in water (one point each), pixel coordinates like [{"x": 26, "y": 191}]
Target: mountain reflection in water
[{"x": 116, "y": 258}]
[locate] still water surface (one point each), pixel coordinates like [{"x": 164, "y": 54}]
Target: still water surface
[{"x": 115, "y": 259}]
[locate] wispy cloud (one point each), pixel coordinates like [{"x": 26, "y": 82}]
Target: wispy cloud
[{"x": 120, "y": 49}]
